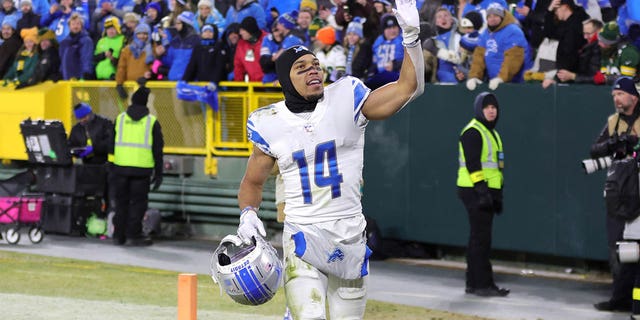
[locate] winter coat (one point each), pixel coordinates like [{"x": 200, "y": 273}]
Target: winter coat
[
  {"x": 8, "y": 50},
  {"x": 247, "y": 60},
  {"x": 48, "y": 67},
  {"x": 179, "y": 53},
  {"x": 500, "y": 53},
  {"x": 249, "y": 9},
  {"x": 76, "y": 56},
  {"x": 100, "y": 130},
  {"x": 130, "y": 68},
  {"x": 569, "y": 36},
  {"x": 23, "y": 67},
  {"x": 105, "y": 67},
  {"x": 28, "y": 20},
  {"x": 206, "y": 63}
]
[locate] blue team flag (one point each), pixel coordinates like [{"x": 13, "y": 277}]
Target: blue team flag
[{"x": 207, "y": 94}]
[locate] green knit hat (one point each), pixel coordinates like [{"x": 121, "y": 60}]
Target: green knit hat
[{"x": 610, "y": 33}]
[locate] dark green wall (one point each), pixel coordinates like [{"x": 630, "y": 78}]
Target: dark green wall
[{"x": 551, "y": 206}]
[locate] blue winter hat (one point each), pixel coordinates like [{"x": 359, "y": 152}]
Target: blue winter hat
[
  {"x": 11, "y": 20},
  {"x": 142, "y": 28},
  {"x": 155, "y": 6},
  {"x": 355, "y": 26},
  {"x": 81, "y": 110},
  {"x": 627, "y": 85},
  {"x": 187, "y": 17},
  {"x": 289, "y": 19}
]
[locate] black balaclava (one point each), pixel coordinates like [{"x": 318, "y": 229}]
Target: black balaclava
[
  {"x": 482, "y": 100},
  {"x": 292, "y": 99}
]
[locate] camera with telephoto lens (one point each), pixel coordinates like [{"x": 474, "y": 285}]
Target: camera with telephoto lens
[{"x": 592, "y": 165}]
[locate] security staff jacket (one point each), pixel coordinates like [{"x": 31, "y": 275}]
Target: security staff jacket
[{"x": 491, "y": 162}]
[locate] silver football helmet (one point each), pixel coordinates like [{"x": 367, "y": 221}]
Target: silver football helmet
[{"x": 249, "y": 274}]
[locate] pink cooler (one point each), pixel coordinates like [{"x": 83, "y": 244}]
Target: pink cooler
[
  {"x": 30, "y": 209},
  {"x": 9, "y": 209}
]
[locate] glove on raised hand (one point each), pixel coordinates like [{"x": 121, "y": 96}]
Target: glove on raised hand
[
  {"x": 495, "y": 82},
  {"x": 87, "y": 151},
  {"x": 485, "y": 202},
  {"x": 472, "y": 83},
  {"x": 406, "y": 12},
  {"x": 250, "y": 225}
]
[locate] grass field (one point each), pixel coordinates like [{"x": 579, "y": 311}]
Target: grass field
[{"x": 40, "y": 287}]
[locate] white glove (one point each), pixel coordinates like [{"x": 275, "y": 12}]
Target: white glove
[
  {"x": 407, "y": 14},
  {"x": 250, "y": 225},
  {"x": 448, "y": 55},
  {"x": 495, "y": 82},
  {"x": 472, "y": 83}
]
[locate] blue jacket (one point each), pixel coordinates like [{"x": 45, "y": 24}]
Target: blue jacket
[
  {"x": 59, "y": 22},
  {"x": 76, "y": 55},
  {"x": 179, "y": 54},
  {"x": 385, "y": 51},
  {"x": 494, "y": 44},
  {"x": 249, "y": 9},
  {"x": 214, "y": 18}
]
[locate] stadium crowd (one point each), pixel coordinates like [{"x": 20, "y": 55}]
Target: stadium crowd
[{"x": 464, "y": 41}]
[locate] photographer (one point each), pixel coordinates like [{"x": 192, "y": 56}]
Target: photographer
[{"x": 617, "y": 140}]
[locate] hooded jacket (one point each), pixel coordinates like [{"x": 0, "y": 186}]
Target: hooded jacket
[
  {"x": 137, "y": 112},
  {"x": 500, "y": 53},
  {"x": 179, "y": 52},
  {"x": 76, "y": 55},
  {"x": 471, "y": 139}
]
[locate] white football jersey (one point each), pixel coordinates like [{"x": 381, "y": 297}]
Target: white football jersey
[{"x": 320, "y": 159}]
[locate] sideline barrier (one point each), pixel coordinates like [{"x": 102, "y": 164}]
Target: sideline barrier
[{"x": 190, "y": 128}]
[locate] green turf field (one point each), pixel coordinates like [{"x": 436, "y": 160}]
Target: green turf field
[{"x": 150, "y": 293}]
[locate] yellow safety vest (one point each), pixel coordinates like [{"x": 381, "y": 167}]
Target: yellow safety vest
[
  {"x": 134, "y": 140},
  {"x": 490, "y": 158}
]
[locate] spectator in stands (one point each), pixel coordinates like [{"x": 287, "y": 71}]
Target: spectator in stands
[
  {"x": 501, "y": 51},
  {"x": 153, "y": 14},
  {"x": 39, "y": 7},
  {"x": 589, "y": 56},
  {"x": 230, "y": 39},
  {"x": 247, "y": 57},
  {"x": 178, "y": 7},
  {"x": 208, "y": 14},
  {"x": 470, "y": 25},
  {"x": 106, "y": 10},
  {"x": 135, "y": 59},
  {"x": 9, "y": 45},
  {"x": 58, "y": 16},
  {"x": 269, "y": 52},
  {"x": 9, "y": 10},
  {"x": 619, "y": 57},
  {"x": 26, "y": 60},
  {"x": 29, "y": 18},
  {"x": 108, "y": 50},
  {"x": 358, "y": 51},
  {"x": 207, "y": 59},
  {"x": 223, "y": 6},
  {"x": 563, "y": 22},
  {"x": 281, "y": 6},
  {"x": 129, "y": 24},
  {"x": 382, "y": 7},
  {"x": 328, "y": 18},
  {"x": 291, "y": 35},
  {"x": 137, "y": 162},
  {"x": 248, "y": 8},
  {"x": 315, "y": 23},
  {"x": 76, "y": 51},
  {"x": 533, "y": 18},
  {"x": 181, "y": 46},
  {"x": 330, "y": 54},
  {"x": 48, "y": 67},
  {"x": 447, "y": 41},
  {"x": 347, "y": 10},
  {"x": 301, "y": 30},
  {"x": 387, "y": 54}
]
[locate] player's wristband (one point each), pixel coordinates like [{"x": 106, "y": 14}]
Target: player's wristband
[{"x": 248, "y": 208}]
